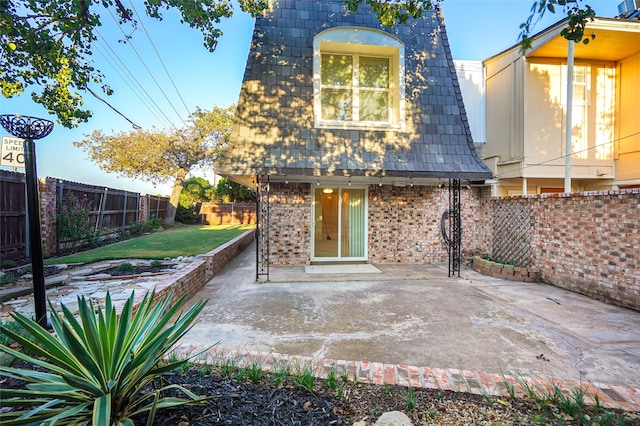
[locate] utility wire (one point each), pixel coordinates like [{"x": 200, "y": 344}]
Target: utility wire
[
  {"x": 160, "y": 58},
  {"x": 131, "y": 83},
  {"x": 124, "y": 66},
  {"x": 564, "y": 156},
  {"x": 146, "y": 67},
  {"x": 135, "y": 126}
]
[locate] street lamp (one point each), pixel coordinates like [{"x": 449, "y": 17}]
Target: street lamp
[{"x": 30, "y": 129}]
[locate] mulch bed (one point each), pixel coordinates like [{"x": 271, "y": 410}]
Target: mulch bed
[{"x": 243, "y": 402}]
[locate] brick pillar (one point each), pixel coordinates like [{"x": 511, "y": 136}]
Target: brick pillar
[{"x": 48, "y": 191}]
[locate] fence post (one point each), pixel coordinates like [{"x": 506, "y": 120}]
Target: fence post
[
  {"x": 124, "y": 212},
  {"x": 103, "y": 203},
  {"x": 59, "y": 206},
  {"x": 137, "y": 207}
]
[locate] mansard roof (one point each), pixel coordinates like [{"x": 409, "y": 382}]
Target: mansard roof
[{"x": 274, "y": 133}]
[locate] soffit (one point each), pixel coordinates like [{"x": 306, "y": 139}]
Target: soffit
[{"x": 612, "y": 43}]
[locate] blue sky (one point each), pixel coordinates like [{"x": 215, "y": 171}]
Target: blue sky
[{"x": 477, "y": 29}]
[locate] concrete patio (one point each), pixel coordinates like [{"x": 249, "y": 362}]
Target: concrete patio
[{"x": 416, "y": 315}]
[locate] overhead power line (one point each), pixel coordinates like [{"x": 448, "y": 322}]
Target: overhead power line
[
  {"x": 160, "y": 58},
  {"x": 147, "y": 68},
  {"x": 131, "y": 83}
]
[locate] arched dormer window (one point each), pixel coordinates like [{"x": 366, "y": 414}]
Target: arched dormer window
[{"x": 358, "y": 79}]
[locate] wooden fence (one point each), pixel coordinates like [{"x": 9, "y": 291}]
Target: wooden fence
[
  {"x": 109, "y": 210},
  {"x": 12, "y": 215}
]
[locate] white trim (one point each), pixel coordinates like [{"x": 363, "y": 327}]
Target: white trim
[{"x": 359, "y": 41}]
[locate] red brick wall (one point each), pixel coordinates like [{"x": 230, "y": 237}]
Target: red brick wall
[
  {"x": 401, "y": 222},
  {"x": 290, "y": 224},
  {"x": 589, "y": 243},
  {"x": 48, "y": 209},
  {"x": 217, "y": 258}
]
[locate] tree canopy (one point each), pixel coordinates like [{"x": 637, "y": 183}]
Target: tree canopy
[
  {"x": 159, "y": 156},
  {"x": 46, "y": 46}
]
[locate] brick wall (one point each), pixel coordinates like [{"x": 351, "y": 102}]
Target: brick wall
[
  {"x": 404, "y": 224},
  {"x": 48, "y": 209},
  {"x": 589, "y": 243},
  {"x": 290, "y": 224},
  {"x": 584, "y": 242},
  {"x": 217, "y": 258}
]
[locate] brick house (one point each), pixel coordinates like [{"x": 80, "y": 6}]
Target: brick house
[{"x": 351, "y": 133}]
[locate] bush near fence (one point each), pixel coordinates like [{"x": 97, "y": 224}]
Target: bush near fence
[{"x": 110, "y": 212}]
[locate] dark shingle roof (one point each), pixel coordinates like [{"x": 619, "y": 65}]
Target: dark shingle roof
[{"x": 273, "y": 131}]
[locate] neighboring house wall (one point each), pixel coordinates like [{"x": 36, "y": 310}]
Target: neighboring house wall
[
  {"x": 526, "y": 107},
  {"x": 471, "y": 80},
  {"x": 628, "y": 144}
]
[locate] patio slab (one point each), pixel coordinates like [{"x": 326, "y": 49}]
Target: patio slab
[{"x": 416, "y": 315}]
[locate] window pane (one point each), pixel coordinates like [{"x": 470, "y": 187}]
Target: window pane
[
  {"x": 336, "y": 70},
  {"x": 336, "y": 104},
  {"x": 374, "y": 105},
  {"x": 374, "y": 72}
]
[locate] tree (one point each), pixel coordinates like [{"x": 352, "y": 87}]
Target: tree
[
  {"x": 158, "y": 156},
  {"x": 47, "y": 45},
  {"x": 196, "y": 190},
  {"x": 231, "y": 192}
]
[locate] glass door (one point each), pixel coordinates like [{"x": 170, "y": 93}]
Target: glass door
[{"x": 339, "y": 224}]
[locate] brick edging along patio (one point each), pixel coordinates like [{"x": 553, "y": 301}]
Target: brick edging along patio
[{"x": 446, "y": 379}]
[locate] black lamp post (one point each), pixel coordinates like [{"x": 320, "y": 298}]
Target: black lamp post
[{"x": 30, "y": 129}]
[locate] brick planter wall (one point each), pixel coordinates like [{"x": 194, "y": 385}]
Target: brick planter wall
[
  {"x": 217, "y": 258},
  {"x": 505, "y": 272}
]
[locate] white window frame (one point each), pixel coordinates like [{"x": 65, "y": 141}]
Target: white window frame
[{"x": 356, "y": 41}]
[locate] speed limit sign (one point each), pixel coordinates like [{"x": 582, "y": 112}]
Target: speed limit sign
[{"x": 12, "y": 152}]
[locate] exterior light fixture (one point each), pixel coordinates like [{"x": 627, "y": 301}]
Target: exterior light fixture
[
  {"x": 30, "y": 129},
  {"x": 411, "y": 181},
  {"x": 286, "y": 181},
  {"x": 380, "y": 183},
  {"x": 318, "y": 182},
  {"x": 349, "y": 180}
]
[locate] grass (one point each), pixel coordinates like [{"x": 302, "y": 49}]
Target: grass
[{"x": 179, "y": 241}]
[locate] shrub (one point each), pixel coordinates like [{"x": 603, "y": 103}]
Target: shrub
[
  {"x": 156, "y": 263},
  {"x": 125, "y": 267},
  {"x": 8, "y": 264},
  {"x": 98, "y": 369},
  {"x": 187, "y": 215}
]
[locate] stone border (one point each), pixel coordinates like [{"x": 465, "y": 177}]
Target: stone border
[
  {"x": 446, "y": 379},
  {"x": 505, "y": 272}
]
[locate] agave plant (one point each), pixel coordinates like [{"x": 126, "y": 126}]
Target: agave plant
[{"x": 97, "y": 369}]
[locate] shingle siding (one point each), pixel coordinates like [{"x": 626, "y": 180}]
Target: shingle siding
[{"x": 274, "y": 132}]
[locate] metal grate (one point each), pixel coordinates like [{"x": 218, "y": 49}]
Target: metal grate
[
  {"x": 262, "y": 224},
  {"x": 512, "y": 233}
]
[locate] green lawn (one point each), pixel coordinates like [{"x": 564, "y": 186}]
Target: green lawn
[{"x": 179, "y": 241}]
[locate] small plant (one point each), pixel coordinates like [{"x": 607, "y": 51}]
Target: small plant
[
  {"x": 303, "y": 377},
  {"x": 100, "y": 367},
  {"x": 253, "y": 371},
  {"x": 7, "y": 264},
  {"x": 280, "y": 373},
  {"x": 228, "y": 367},
  {"x": 7, "y": 279},
  {"x": 410, "y": 398},
  {"x": 156, "y": 264},
  {"x": 125, "y": 267},
  {"x": 332, "y": 379}
]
